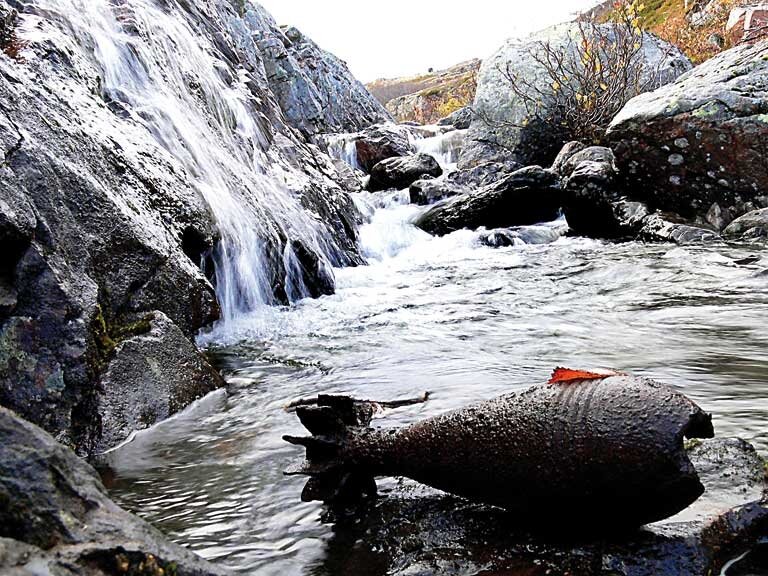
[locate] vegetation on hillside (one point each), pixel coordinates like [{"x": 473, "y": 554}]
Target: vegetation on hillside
[
  {"x": 427, "y": 98},
  {"x": 674, "y": 21}
]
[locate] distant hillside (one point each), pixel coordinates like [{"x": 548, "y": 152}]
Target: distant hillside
[
  {"x": 696, "y": 26},
  {"x": 428, "y": 97}
]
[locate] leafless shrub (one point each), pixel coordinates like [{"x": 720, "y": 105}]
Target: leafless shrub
[{"x": 588, "y": 79}]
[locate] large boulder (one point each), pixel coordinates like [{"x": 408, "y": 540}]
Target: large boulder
[
  {"x": 589, "y": 192},
  {"x": 484, "y": 174},
  {"x": 528, "y": 196},
  {"x": 56, "y": 518},
  {"x": 379, "y": 143},
  {"x": 400, "y": 173},
  {"x": 697, "y": 147},
  {"x": 502, "y": 128}
]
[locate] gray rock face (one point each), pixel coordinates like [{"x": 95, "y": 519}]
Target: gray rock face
[
  {"x": 56, "y": 518},
  {"x": 418, "y": 531},
  {"x": 700, "y": 141},
  {"x": 151, "y": 377},
  {"x": 315, "y": 90},
  {"x": 110, "y": 199},
  {"x": 751, "y": 225},
  {"x": 528, "y": 196},
  {"x": 400, "y": 173},
  {"x": 502, "y": 129}
]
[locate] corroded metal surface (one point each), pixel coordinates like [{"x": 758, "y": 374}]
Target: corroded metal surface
[{"x": 596, "y": 453}]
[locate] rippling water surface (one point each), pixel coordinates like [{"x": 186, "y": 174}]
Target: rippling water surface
[{"x": 464, "y": 321}]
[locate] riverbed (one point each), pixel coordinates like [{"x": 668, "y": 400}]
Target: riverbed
[{"x": 462, "y": 320}]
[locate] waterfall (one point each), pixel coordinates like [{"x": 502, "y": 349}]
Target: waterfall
[
  {"x": 159, "y": 71},
  {"x": 344, "y": 147},
  {"x": 445, "y": 147}
]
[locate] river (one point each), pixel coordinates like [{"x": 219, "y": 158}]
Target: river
[{"x": 462, "y": 320}]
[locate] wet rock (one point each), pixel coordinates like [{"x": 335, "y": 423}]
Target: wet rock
[
  {"x": 589, "y": 194},
  {"x": 752, "y": 225},
  {"x": 382, "y": 142},
  {"x": 400, "y": 173},
  {"x": 699, "y": 141},
  {"x": 656, "y": 229},
  {"x": 461, "y": 119},
  {"x": 154, "y": 374},
  {"x": 523, "y": 235},
  {"x": 567, "y": 162},
  {"x": 528, "y": 196},
  {"x": 502, "y": 129},
  {"x": 566, "y": 152},
  {"x": 415, "y": 530},
  {"x": 8, "y": 18},
  {"x": 484, "y": 174},
  {"x": 424, "y": 192},
  {"x": 56, "y": 517}
]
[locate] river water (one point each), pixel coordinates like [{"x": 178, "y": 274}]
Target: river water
[{"x": 461, "y": 320}]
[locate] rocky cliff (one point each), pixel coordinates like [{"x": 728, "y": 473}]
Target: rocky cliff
[
  {"x": 315, "y": 89},
  {"x": 155, "y": 178},
  {"x": 429, "y": 97}
]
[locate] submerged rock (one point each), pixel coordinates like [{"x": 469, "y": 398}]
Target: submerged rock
[
  {"x": 415, "y": 530},
  {"x": 424, "y": 192},
  {"x": 528, "y": 196},
  {"x": 523, "y": 235},
  {"x": 503, "y": 129},
  {"x": 56, "y": 518},
  {"x": 400, "y": 173},
  {"x": 699, "y": 141},
  {"x": 751, "y": 225},
  {"x": 655, "y": 228}
]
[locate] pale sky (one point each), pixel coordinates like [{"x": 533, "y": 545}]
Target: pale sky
[{"x": 394, "y": 38}]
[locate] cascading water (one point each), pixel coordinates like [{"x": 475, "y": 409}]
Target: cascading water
[
  {"x": 160, "y": 72},
  {"x": 344, "y": 147},
  {"x": 445, "y": 147}
]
